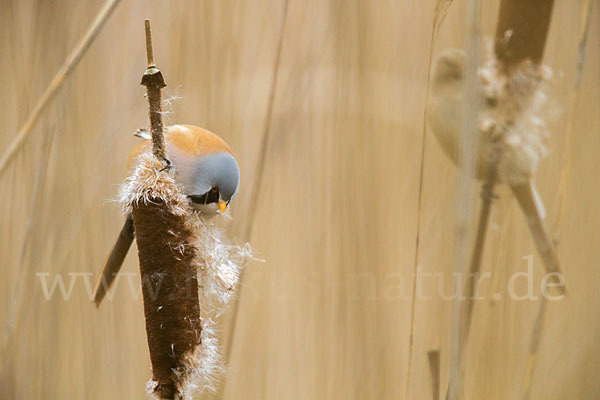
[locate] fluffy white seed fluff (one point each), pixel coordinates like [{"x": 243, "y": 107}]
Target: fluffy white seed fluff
[
  {"x": 218, "y": 263},
  {"x": 511, "y": 121},
  {"x": 149, "y": 181}
]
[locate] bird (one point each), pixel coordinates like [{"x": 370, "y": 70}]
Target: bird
[
  {"x": 501, "y": 127},
  {"x": 205, "y": 170}
]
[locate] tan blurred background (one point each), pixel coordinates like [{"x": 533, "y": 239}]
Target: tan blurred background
[{"x": 338, "y": 122}]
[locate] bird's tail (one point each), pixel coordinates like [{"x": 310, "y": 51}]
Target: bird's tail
[
  {"x": 533, "y": 209},
  {"x": 114, "y": 261}
]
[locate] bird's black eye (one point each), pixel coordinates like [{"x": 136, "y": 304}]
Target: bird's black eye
[{"x": 212, "y": 196}]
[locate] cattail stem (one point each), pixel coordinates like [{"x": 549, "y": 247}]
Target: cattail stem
[
  {"x": 487, "y": 195},
  {"x": 527, "y": 23},
  {"x": 154, "y": 82},
  {"x": 521, "y": 35},
  {"x": 166, "y": 254},
  {"x": 170, "y": 290},
  {"x": 522, "y": 31},
  {"x": 468, "y": 144}
]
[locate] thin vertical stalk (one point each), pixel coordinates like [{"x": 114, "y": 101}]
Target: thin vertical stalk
[
  {"x": 564, "y": 179},
  {"x": 25, "y": 266},
  {"x": 466, "y": 202},
  {"x": 438, "y": 17},
  {"x": 260, "y": 168},
  {"x": 566, "y": 154}
]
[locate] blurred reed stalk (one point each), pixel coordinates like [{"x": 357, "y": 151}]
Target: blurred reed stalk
[
  {"x": 466, "y": 196},
  {"x": 564, "y": 178},
  {"x": 585, "y": 17},
  {"x": 256, "y": 187},
  {"x": 25, "y": 264},
  {"x": 71, "y": 61},
  {"x": 521, "y": 34},
  {"x": 57, "y": 82},
  {"x": 440, "y": 12}
]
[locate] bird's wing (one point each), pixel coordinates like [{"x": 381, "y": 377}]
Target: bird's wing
[
  {"x": 142, "y": 134},
  {"x": 114, "y": 261},
  {"x": 533, "y": 209}
]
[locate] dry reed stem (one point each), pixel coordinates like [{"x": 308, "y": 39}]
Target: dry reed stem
[
  {"x": 487, "y": 195},
  {"x": 440, "y": 12},
  {"x": 566, "y": 155},
  {"x": 17, "y": 293},
  {"x": 63, "y": 73},
  {"x": 261, "y": 165},
  {"x": 266, "y": 131},
  {"x": 564, "y": 179},
  {"x": 468, "y": 143},
  {"x": 534, "y": 347}
]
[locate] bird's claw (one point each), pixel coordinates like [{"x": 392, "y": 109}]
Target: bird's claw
[{"x": 167, "y": 166}]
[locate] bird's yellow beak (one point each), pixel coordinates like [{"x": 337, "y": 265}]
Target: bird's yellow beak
[{"x": 222, "y": 205}]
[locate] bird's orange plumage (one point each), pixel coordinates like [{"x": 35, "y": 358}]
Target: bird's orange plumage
[{"x": 189, "y": 139}]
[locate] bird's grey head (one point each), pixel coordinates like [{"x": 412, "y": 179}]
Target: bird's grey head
[
  {"x": 210, "y": 182},
  {"x": 219, "y": 171}
]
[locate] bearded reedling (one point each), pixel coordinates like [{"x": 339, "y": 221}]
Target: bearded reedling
[
  {"x": 179, "y": 179},
  {"x": 204, "y": 168},
  {"x": 510, "y": 133}
]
